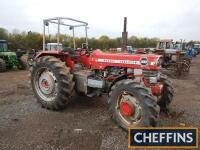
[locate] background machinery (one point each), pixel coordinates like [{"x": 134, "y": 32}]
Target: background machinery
[
  {"x": 10, "y": 59},
  {"x": 197, "y": 48},
  {"x": 174, "y": 56}
]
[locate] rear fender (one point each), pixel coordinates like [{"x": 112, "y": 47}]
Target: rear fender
[
  {"x": 121, "y": 77},
  {"x": 57, "y": 54},
  {"x": 63, "y": 56}
]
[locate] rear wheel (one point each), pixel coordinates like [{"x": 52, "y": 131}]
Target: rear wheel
[
  {"x": 51, "y": 82},
  {"x": 167, "y": 93},
  {"x": 2, "y": 65},
  {"x": 132, "y": 105}
]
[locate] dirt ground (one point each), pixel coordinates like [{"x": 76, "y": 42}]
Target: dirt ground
[{"x": 85, "y": 124}]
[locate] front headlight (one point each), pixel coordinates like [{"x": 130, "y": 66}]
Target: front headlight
[{"x": 153, "y": 63}]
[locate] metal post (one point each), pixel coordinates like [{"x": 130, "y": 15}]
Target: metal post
[
  {"x": 58, "y": 34},
  {"x": 181, "y": 44},
  {"x": 125, "y": 23},
  {"x": 74, "y": 38},
  {"x": 44, "y": 35},
  {"x": 86, "y": 37},
  {"x": 124, "y": 35}
]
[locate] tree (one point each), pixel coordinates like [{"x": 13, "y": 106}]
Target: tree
[
  {"x": 104, "y": 42},
  {"x": 33, "y": 40},
  {"x": 3, "y": 34}
]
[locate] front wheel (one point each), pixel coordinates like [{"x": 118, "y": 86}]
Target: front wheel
[
  {"x": 132, "y": 105},
  {"x": 167, "y": 93}
]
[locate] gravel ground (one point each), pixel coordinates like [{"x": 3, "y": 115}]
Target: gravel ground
[{"x": 85, "y": 123}]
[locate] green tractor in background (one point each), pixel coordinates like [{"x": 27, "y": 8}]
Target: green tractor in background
[{"x": 11, "y": 59}]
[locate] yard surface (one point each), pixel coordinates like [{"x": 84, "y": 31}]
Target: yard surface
[{"x": 85, "y": 123}]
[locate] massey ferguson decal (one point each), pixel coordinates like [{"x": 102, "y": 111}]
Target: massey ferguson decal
[
  {"x": 143, "y": 61},
  {"x": 119, "y": 61}
]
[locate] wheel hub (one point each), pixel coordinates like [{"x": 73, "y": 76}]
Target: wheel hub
[
  {"x": 129, "y": 108},
  {"x": 46, "y": 82},
  {"x": 126, "y": 109}
]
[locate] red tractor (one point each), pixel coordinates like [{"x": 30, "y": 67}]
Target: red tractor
[{"x": 136, "y": 90}]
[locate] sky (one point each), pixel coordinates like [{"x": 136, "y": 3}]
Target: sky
[{"x": 165, "y": 19}]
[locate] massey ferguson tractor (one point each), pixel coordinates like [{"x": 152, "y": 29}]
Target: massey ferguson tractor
[{"x": 132, "y": 82}]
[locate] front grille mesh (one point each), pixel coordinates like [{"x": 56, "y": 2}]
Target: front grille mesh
[{"x": 149, "y": 73}]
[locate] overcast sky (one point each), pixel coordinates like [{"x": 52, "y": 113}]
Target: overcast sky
[{"x": 175, "y": 19}]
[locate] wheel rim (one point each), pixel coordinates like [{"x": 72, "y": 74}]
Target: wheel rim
[
  {"x": 129, "y": 109},
  {"x": 45, "y": 84}
]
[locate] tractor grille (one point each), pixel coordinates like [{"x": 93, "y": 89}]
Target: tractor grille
[
  {"x": 148, "y": 73},
  {"x": 151, "y": 76}
]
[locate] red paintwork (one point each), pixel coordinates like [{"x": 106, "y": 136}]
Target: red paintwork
[
  {"x": 50, "y": 53},
  {"x": 59, "y": 54},
  {"x": 83, "y": 58},
  {"x": 91, "y": 61},
  {"x": 126, "y": 109},
  {"x": 45, "y": 84},
  {"x": 69, "y": 62},
  {"x": 156, "y": 89},
  {"x": 122, "y": 56}
]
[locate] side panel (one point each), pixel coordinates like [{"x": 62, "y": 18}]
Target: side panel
[
  {"x": 85, "y": 61},
  {"x": 101, "y": 60}
]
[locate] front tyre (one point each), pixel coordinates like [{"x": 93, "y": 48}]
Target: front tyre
[
  {"x": 52, "y": 82},
  {"x": 132, "y": 105},
  {"x": 167, "y": 93}
]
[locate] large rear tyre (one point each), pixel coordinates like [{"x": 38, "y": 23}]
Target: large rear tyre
[
  {"x": 52, "y": 82},
  {"x": 2, "y": 65},
  {"x": 167, "y": 93},
  {"x": 132, "y": 105}
]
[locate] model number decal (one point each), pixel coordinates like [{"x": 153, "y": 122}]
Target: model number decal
[{"x": 119, "y": 61}]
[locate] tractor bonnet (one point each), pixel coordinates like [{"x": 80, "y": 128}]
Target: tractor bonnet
[{"x": 100, "y": 60}]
